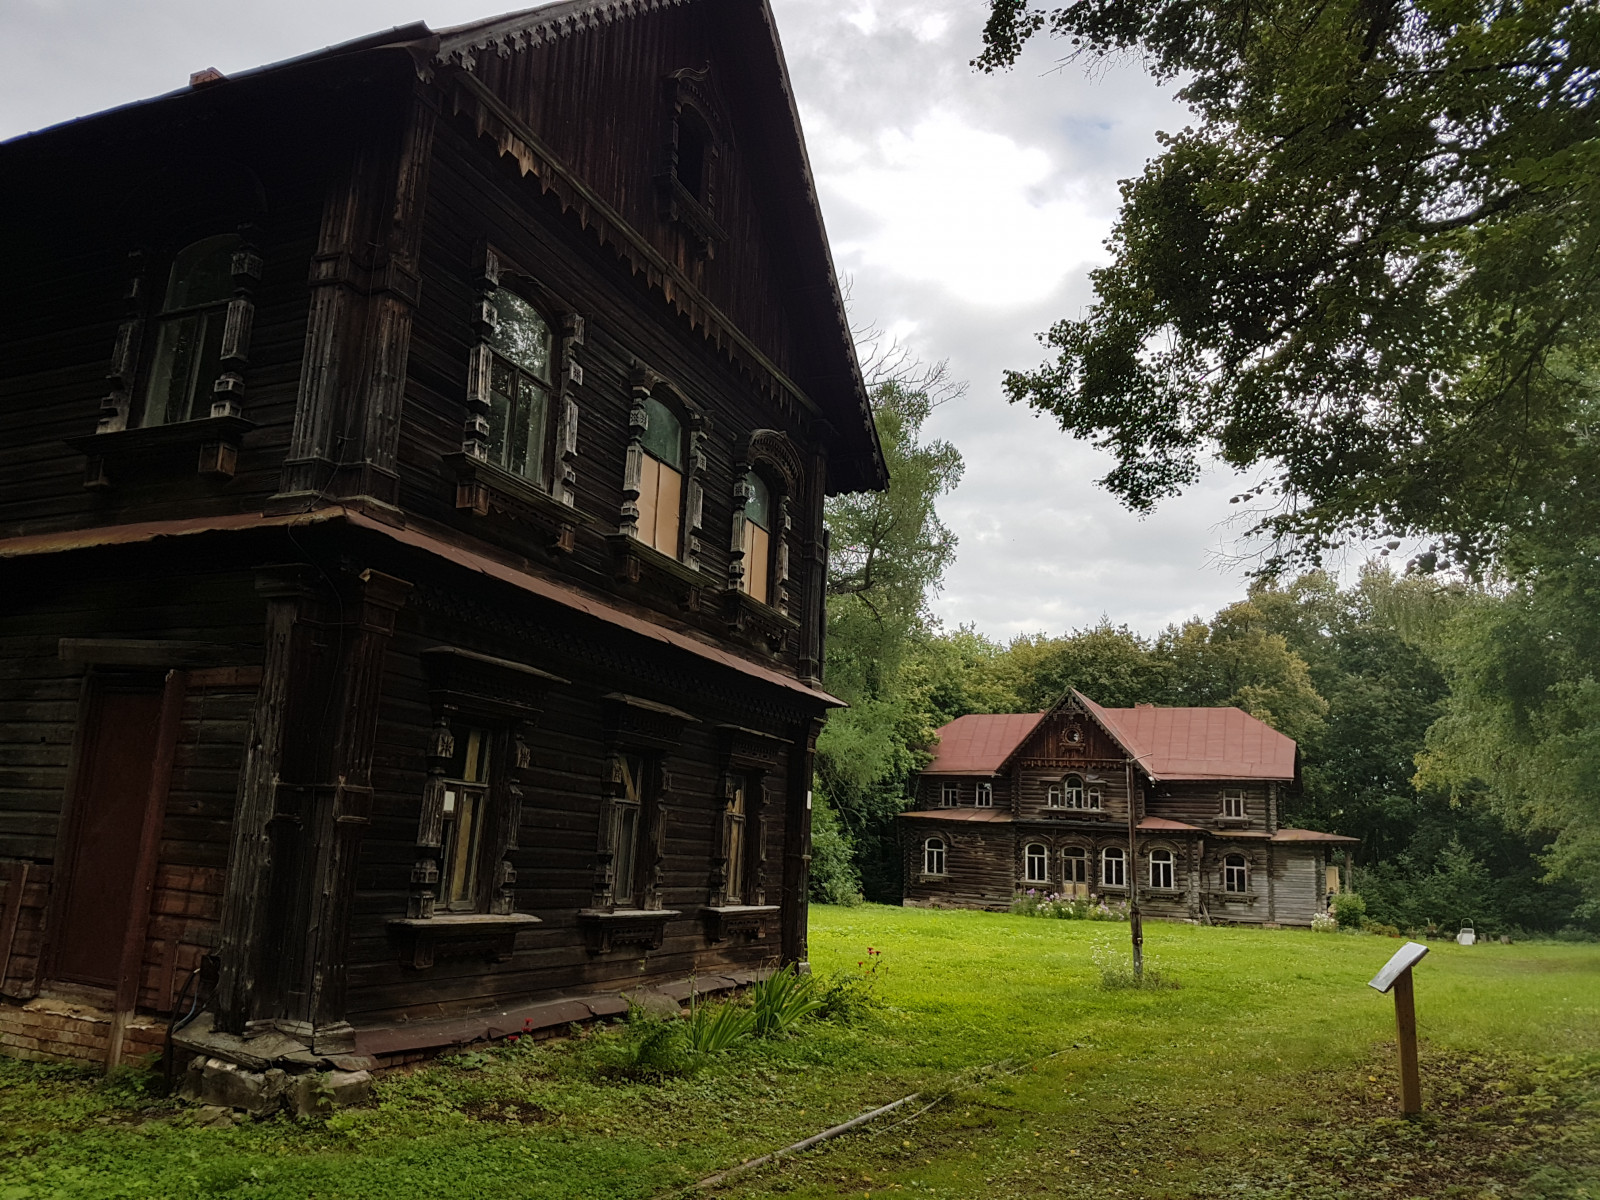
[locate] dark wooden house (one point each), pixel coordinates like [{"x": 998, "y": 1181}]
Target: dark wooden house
[
  {"x": 412, "y": 463},
  {"x": 1040, "y": 801}
]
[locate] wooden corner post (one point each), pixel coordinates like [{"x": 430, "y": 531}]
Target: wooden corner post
[{"x": 1396, "y": 977}]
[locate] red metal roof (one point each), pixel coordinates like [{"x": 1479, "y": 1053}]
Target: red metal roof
[
  {"x": 1163, "y": 825},
  {"x": 1198, "y": 743},
  {"x": 990, "y": 816},
  {"x": 978, "y": 743},
  {"x": 1313, "y": 835}
]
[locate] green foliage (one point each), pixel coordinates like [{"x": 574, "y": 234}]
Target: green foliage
[
  {"x": 1349, "y": 909},
  {"x": 658, "y": 1048},
  {"x": 1117, "y": 973},
  {"x": 834, "y": 878},
  {"x": 717, "y": 1027},
  {"x": 1365, "y": 269},
  {"x": 888, "y": 552},
  {"x": 782, "y": 1000},
  {"x": 851, "y": 997}
]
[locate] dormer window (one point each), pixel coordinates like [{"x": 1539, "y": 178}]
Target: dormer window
[
  {"x": 1233, "y": 806},
  {"x": 687, "y": 183},
  {"x": 948, "y": 794},
  {"x": 194, "y": 314},
  {"x": 985, "y": 795},
  {"x": 694, "y": 144}
]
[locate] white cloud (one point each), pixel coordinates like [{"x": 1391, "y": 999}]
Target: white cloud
[{"x": 968, "y": 210}]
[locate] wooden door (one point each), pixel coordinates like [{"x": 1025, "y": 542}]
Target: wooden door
[{"x": 117, "y": 762}]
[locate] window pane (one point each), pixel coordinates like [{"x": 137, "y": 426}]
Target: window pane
[
  {"x": 758, "y": 507},
  {"x": 187, "y": 361},
  {"x": 527, "y": 454},
  {"x": 202, "y": 273},
  {"x": 669, "y": 501},
  {"x": 663, "y": 436},
  {"x": 461, "y": 863},
  {"x": 757, "y": 562},
  {"x": 523, "y": 335},
  {"x": 735, "y": 859},
  {"x": 502, "y": 410},
  {"x": 627, "y": 836},
  {"x": 649, "y": 485}
]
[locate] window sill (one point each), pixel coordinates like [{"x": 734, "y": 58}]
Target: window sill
[
  {"x": 757, "y": 622},
  {"x": 422, "y": 940},
  {"x": 214, "y": 441},
  {"x": 635, "y": 564},
  {"x": 611, "y": 929},
  {"x": 926, "y": 878},
  {"x": 483, "y": 489},
  {"x": 731, "y": 920}
]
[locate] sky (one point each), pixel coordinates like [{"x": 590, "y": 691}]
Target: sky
[{"x": 965, "y": 210}]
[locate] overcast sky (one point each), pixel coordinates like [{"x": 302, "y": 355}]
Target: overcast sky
[{"x": 966, "y": 210}]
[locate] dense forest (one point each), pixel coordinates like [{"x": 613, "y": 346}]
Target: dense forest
[{"x": 1411, "y": 697}]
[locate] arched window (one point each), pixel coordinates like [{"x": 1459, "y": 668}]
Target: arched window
[
  {"x": 1235, "y": 874},
  {"x": 1161, "y": 869},
  {"x": 194, "y": 312},
  {"x": 1091, "y": 798},
  {"x": 519, "y": 387},
  {"x": 757, "y": 579},
  {"x": 661, "y": 478},
  {"x": 933, "y": 857},
  {"x": 693, "y": 150},
  {"x": 1037, "y": 861},
  {"x": 1072, "y": 788},
  {"x": 985, "y": 795},
  {"x": 1074, "y": 865},
  {"x": 1113, "y": 863},
  {"x": 1052, "y": 796}
]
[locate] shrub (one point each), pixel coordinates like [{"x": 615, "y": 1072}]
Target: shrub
[
  {"x": 657, "y": 1049},
  {"x": 1349, "y": 909},
  {"x": 1368, "y": 925},
  {"x": 834, "y": 878},
  {"x": 782, "y": 1000},
  {"x": 1117, "y": 974},
  {"x": 1323, "y": 922},
  {"x": 851, "y": 996}
]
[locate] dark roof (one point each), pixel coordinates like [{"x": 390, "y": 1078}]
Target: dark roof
[
  {"x": 977, "y": 744},
  {"x": 859, "y": 464}
]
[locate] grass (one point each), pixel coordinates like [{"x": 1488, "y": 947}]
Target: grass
[{"x": 1266, "y": 1071}]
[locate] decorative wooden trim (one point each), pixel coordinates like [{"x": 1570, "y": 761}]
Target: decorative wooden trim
[
  {"x": 750, "y": 921},
  {"x": 606, "y": 930},
  {"x": 214, "y": 442},
  {"x": 636, "y": 565},
  {"x": 457, "y": 936},
  {"x": 646, "y": 384},
  {"x": 757, "y": 623},
  {"x": 771, "y": 452}
]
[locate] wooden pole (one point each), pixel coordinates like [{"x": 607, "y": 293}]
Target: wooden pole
[
  {"x": 1405, "y": 1020},
  {"x": 1135, "y": 925}
]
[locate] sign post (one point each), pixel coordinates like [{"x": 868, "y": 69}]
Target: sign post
[{"x": 1396, "y": 977}]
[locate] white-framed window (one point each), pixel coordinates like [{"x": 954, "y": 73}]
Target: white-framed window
[
  {"x": 1235, "y": 874},
  {"x": 1052, "y": 796},
  {"x": 1113, "y": 867},
  {"x": 985, "y": 795},
  {"x": 933, "y": 856},
  {"x": 1161, "y": 869},
  {"x": 1233, "y": 804},
  {"x": 1072, "y": 791},
  {"x": 949, "y": 794},
  {"x": 1091, "y": 797},
  {"x": 1074, "y": 865},
  {"x": 1036, "y": 859}
]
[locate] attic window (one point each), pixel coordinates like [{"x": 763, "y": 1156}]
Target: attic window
[
  {"x": 694, "y": 137},
  {"x": 694, "y": 143}
]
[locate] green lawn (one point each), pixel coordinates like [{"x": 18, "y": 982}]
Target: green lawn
[{"x": 1267, "y": 1072}]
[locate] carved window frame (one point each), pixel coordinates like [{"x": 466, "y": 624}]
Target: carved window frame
[
  {"x": 771, "y": 454},
  {"x": 691, "y": 95},
  {"x": 749, "y": 758},
  {"x": 478, "y": 476},
  {"x": 1170, "y": 863},
  {"x": 1076, "y": 865},
  {"x": 1118, "y": 855},
  {"x": 1235, "y": 875},
  {"x": 506, "y": 699},
  {"x": 651, "y": 732},
  {"x": 648, "y": 385}
]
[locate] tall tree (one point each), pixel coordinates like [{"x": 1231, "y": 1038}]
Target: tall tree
[
  {"x": 1369, "y": 271},
  {"x": 889, "y": 551}
]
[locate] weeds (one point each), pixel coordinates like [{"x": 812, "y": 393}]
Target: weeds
[
  {"x": 1117, "y": 973},
  {"x": 1033, "y": 903}
]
